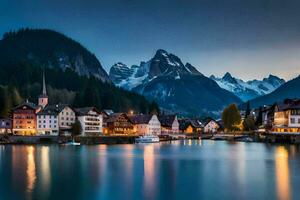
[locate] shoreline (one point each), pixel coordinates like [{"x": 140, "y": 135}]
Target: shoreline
[{"x": 119, "y": 139}]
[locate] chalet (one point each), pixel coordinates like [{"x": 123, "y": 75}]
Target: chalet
[
  {"x": 146, "y": 124},
  {"x": 90, "y": 119},
  {"x": 211, "y": 126},
  {"x": 47, "y": 121},
  {"x": 190, "y": 126},
  {"x": 287, "y": 116},
  {"x": 119, "y": 124},
  {"x": 169, "y": 124},
  {"x": 5, "y": 126},
  {"x": 24, "y": 119}
]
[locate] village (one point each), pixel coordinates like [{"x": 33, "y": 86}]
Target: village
[{"x": 35, "y": 123}]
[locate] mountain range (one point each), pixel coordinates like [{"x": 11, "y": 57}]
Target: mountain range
[
  {"x": 247, "y": 90},
  {"x": 177, "y": 87},
  {"x": 290, "y": 89}
]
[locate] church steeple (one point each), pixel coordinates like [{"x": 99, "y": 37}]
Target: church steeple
[
  {"x": 43, "y": 98},
  {"x": 44, "y": 84}
]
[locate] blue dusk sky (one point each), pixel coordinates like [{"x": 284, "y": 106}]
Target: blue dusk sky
[{"x": 248, "y": 38}]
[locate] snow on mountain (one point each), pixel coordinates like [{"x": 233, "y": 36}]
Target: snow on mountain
[
  {"x": 175, "y": 86},
  {"x": 247, "y": 90}
]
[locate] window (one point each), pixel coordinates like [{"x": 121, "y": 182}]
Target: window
[
  {"x": 298, "y": 120},
  {"x": 293, "y": 120}
]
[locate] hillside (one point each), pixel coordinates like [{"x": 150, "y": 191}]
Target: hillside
[
  {"x": 49, "y": 49},
  {"x": 21, "y": 75}
]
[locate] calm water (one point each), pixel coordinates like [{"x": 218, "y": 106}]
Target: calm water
[{"x": 178, "y": 170}]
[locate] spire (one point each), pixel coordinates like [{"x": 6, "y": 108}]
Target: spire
[{"x": 44, "y": 84}]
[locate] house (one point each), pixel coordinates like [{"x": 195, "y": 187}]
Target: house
[
  {"x": 90, "y": 119},
  {"x": 24, "y": 119},
  {"x": 119, "y": 124},
  {"x": 65, "y": 115},
  {"x": 211, "y": 126},
  {"x": 169, "y": 124},
  {"x": 146, "y": 124},
  {"x": 47, "y": 121},
  {"x": 287, "y": 116},
  {"x": 190, "y": 126},
  {"x": 105, "y": 115},
  {"x": 5, "y": 126}
]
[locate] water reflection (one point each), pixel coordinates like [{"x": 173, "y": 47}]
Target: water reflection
[
  {"x": 31, "y": 170},
  {"x": 282, "y": 173},
  {"x": 45, "y": 170},
  {"x": 149, "y": 170}
]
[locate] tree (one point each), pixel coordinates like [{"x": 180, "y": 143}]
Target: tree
[
  {"x": 231, "y": 118},
  {"x": 76, "y": 128},
  {"x": 247, "y": 113},
  {"x": 249, "y": 123}
]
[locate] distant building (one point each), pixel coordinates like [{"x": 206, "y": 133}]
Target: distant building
[
  {"x": 287, "y": 116},
  {"x": 47, "y": 121},
  {"x": 5, "y": 126},
  {"x": 90, "y": 119},
  {"x": 24, "y": 119},
  {"x": 146, "y": 124},
  {"x": 119, "y": 124},
  {"x": 169, "y": 124},
  {"x": 211, "y": 126},
  {"x": 190, "y": 126}
]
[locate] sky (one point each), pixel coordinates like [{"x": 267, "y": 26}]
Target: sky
[{"x": 248, "y": 38}]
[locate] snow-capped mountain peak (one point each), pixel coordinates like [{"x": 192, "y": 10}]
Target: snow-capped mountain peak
[
  {"x": 247, "y": 90},
  {"x": 162, "y": 64}
]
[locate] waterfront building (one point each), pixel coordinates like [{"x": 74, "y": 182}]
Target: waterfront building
[
  {"x": 90, "y": 119},
  {"x": 24, "y": 119},
  {"x": 169, "y": 124},
  {"x": 146, "y": 124},
  {"x": 105, "y": 115},
  {"x": 287, "y": 116},
  {"x": 65, "y": 116},
  {"x": 211, "y": 126},
  {"x": 190, "y": 126},
  {"x": 119, "y": 124},
  {"x": 5, "y": 126},
  {"x": 47, "y": 121}
]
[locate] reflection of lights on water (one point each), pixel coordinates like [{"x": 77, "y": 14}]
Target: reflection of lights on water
[
  {"x": 190, "y": 142},
  {"x": 282, "y": 173},
  {"x": 45, "y": 167},
  {"x": 31, "y": 173},
  {"x": 149, "y": 165}
]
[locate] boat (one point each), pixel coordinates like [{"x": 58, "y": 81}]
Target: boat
[
  {"x": 72, "y": 143},
  {"x": 147, "y": 139}
]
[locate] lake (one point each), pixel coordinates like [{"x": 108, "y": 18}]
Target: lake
[{"x": 190, "y": 169}]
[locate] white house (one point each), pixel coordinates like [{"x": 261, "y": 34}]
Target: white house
[
  {"x": 65, "y": 117},
  {"x": 145, "y": 124},
  {"x": 91, "y": 120},
  {"x": 211, "y": 126},
  {"x": 47, "y": 121},
  {"x": 169, "y": 124}
]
